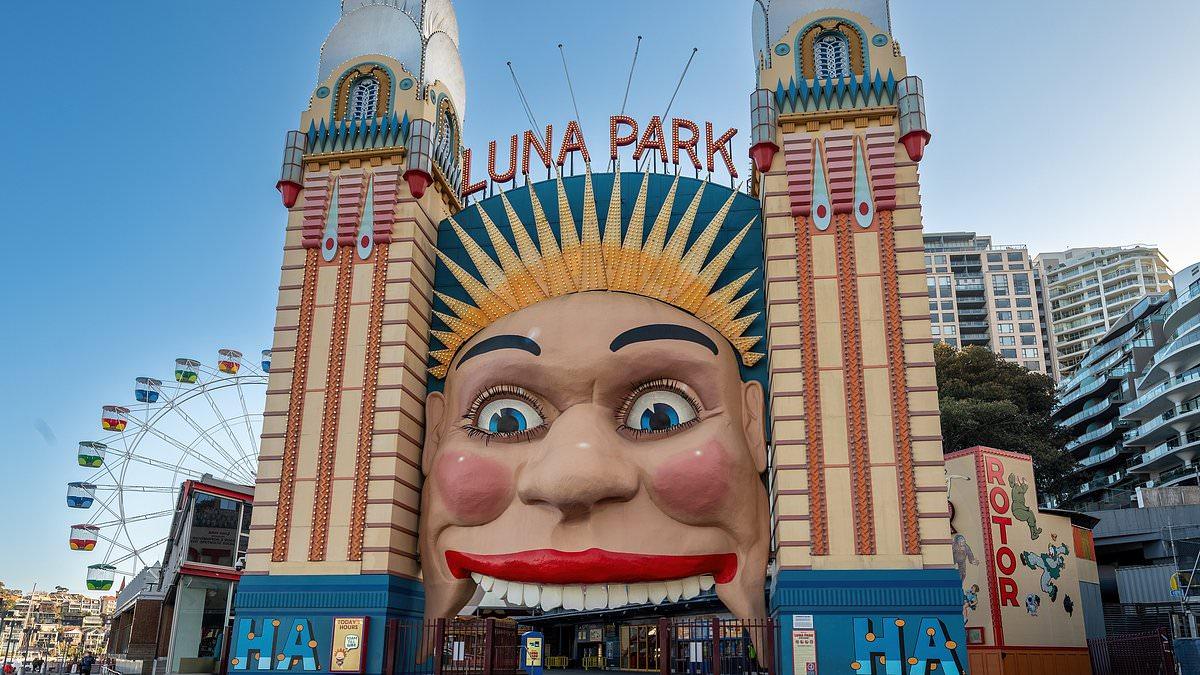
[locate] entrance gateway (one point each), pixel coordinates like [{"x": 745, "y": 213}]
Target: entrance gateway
[{"x": 670, "y": 425}]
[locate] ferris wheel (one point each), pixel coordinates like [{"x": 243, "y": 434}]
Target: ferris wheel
[{"x": 205, "y": 421}]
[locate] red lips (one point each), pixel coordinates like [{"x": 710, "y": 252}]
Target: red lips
[{"x": 593, "y": 566}]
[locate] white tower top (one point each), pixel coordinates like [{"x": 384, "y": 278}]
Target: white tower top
[
  {"x": 772, "y": 18},
  {"x": 421, "y": 34}
]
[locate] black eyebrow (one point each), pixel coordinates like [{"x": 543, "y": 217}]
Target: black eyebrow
[
  {"x": 662, "y": 331},
  {"x": 502, "y": 342}
]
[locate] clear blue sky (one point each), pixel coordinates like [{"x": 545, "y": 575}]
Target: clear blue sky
[{"x": 143, "y": 139}]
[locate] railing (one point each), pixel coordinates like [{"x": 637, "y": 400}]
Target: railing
[
  {"x": 1172, "y": 348},
  {"x": 1093, "y": 460},
  {"x": 1091, "y": 436},
  {"x": 1086, "y": 413},
  {"x": 1184, "y": 299},
  {"x": 1158, "y": 390},
  {"x": 1102, "y": 482},
  {"x": 1095, "y": 383}
]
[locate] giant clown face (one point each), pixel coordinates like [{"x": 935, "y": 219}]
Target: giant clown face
[{"x": 595, "y": 450}]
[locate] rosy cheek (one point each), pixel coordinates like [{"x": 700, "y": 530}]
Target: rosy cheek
[
  {"x": 694, "y": 482},
  {"x": 475, "y": 490}
]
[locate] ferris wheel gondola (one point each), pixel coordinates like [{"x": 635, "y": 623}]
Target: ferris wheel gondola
[{"x": 205, "y": 423}]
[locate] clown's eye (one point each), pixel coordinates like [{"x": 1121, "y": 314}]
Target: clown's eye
[
  {"x": 659, "y": 408},
  {"x": 504, "y": 416}
]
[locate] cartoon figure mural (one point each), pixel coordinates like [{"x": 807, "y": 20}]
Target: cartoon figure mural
[
  {"x": 1051, "y": 563},
  {"x": 550, "y": 437},
  {"x": 1032, "y": 602},
  {"x": 1009, "y": 628},
  {"x": 970, "y": 599},
  {"x": 1020, "y": 510}
]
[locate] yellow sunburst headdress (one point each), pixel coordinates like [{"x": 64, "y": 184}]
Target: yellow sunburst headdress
[{"x": 668, "y": 270}]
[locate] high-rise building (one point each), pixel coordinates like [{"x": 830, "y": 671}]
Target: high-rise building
[
  {"x": 1133, "y": 405},
  {"x": 1084, "y": 291},
  {"x": 1090, "y": 402},
  {"x": 982, "y": 294}
]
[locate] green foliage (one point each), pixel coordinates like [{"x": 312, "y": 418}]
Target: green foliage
[{"x": 986, "y": 400}]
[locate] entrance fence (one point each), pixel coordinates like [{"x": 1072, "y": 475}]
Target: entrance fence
[
  {"x": 473, "y": 646},
  {"x": 1133, "y": 654}
]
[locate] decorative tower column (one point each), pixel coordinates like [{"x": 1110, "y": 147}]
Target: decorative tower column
[
  {"x": 367, "y": 176},
  {"x": 863, "y": 549}
]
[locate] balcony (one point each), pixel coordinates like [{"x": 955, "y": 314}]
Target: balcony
[
  {"x": 1101, "y": 483},
  {"x": 972, "y": 326},
  {"x": 1093, "y": 460},
  {"x": 1088, "y": 413},
  {"x": 1179, "y": 351},
  {"x": 1094, "y": 384},
  {"x": 1151, "y": 431},
  {"x": 1184, "y": 308},
  {"x": 1175, "y": 476},
  {"x": 1180, "y": 449},
  {"x": 1091, "y": 436},
  {"x": 1155, "y": 401}
]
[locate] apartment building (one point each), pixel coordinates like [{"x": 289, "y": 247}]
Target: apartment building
[
  {"x": 983, "y": 294},
  {"x": 1133, "y": 404},
  {"x": 1090, "y": 402},
  {"x": 1083, "y": 291}
]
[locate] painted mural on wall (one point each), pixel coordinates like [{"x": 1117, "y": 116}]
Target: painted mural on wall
[
  {"x": 1022, "y": 590},
  {"x": 595, "y": 433}
]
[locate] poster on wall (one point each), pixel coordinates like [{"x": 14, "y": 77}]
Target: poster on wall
[
  {"x": 804, "y": 645},
  {"x": 349, "y": 644}
]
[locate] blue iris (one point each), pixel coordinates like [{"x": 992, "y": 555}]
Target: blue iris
[
  {"x": 658, "y": 417},
  {"x": 507, "y": 421}
]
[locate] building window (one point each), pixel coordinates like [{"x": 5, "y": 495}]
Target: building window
[
  {"x": 1029, "y": 353},
  {"x": 1025, "y": 314},
  {"x": 831, "y": 56},
  {"x": 1006, "y": 328},
  {"x": 1004, "y": 316},
  {"x": 953, "y": 342},
  {"x": 995, "y": 257},
  {"x": 1008, "y": 353},
  {"x": 948, "y": 318},
  {"x": 1008, "y": 341},
  {"x": 935, "y": 330},
  {"x": 947, "y": 304},
  {"x": 1015, "y": 255},
  {"x": 950, "y": 330},
  {"x": 1024, "y": 302},
  {"x": 1028, "y": 339},
  {"x": 933, "y": 318},
  {"x": 1026, "y": 328},
  {"x": 364, "y": 99}
]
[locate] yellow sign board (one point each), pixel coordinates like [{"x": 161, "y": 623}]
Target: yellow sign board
[{"x": 349, "y": 644}]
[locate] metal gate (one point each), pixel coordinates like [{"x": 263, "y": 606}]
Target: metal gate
[
  {"x": 1133, "y": 654},
  {"x": 461, "y": 646},
  {"x": 472, "y": 646}
]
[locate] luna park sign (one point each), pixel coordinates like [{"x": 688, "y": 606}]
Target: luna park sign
[{"x": 667, "y": 141}]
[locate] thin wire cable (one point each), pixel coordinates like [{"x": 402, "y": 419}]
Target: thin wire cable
[
  {"x": 629, "y": 80},
  {"x": 674, "y": 94},
  {"x": 563, "y": 54},
  {"x": 525, "y": 104}
]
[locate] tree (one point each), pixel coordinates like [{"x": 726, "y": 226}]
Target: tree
[{"x": 986, "y": 400}]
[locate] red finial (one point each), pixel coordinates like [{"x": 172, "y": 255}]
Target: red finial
[
  {"x": 418, "y": 182},
  {"x": 290, "y": 191},
  {"x": 915, "y": 142},
  {"x": 763, "y": 155}
]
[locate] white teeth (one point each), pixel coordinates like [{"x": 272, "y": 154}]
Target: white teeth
[
  {"x": 499, "y": 587},
  {"x": 595, "y": 596},
  {"x": 618, "y": 595},
  {"x": 532, "y": 595},
  {"x": 551, "y": 597},
  {"x": 591, "y": 596},
  {"x": 572, "y": 597}
]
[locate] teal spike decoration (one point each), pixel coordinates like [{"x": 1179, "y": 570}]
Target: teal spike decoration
[
  {"x": 312, "y": 134},
  {"x": 404, "y": 125},
  {"x": 829, "y": 91},
  {"x": 878, "y": 85},
  {"x": 891, "y": 83},
  {"x": 803, "y": 93}
]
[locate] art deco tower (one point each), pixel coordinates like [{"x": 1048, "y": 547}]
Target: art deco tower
[
  {"x": 859, "y": 491},
  {"x": 368, "y": 174}
]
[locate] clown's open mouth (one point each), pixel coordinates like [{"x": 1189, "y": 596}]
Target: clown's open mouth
[{"x": 592, "y": 579}]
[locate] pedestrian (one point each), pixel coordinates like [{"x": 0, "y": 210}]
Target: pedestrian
[
  {"x": 8, "y": 668},
  {"x": 85, "y": 666}
]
